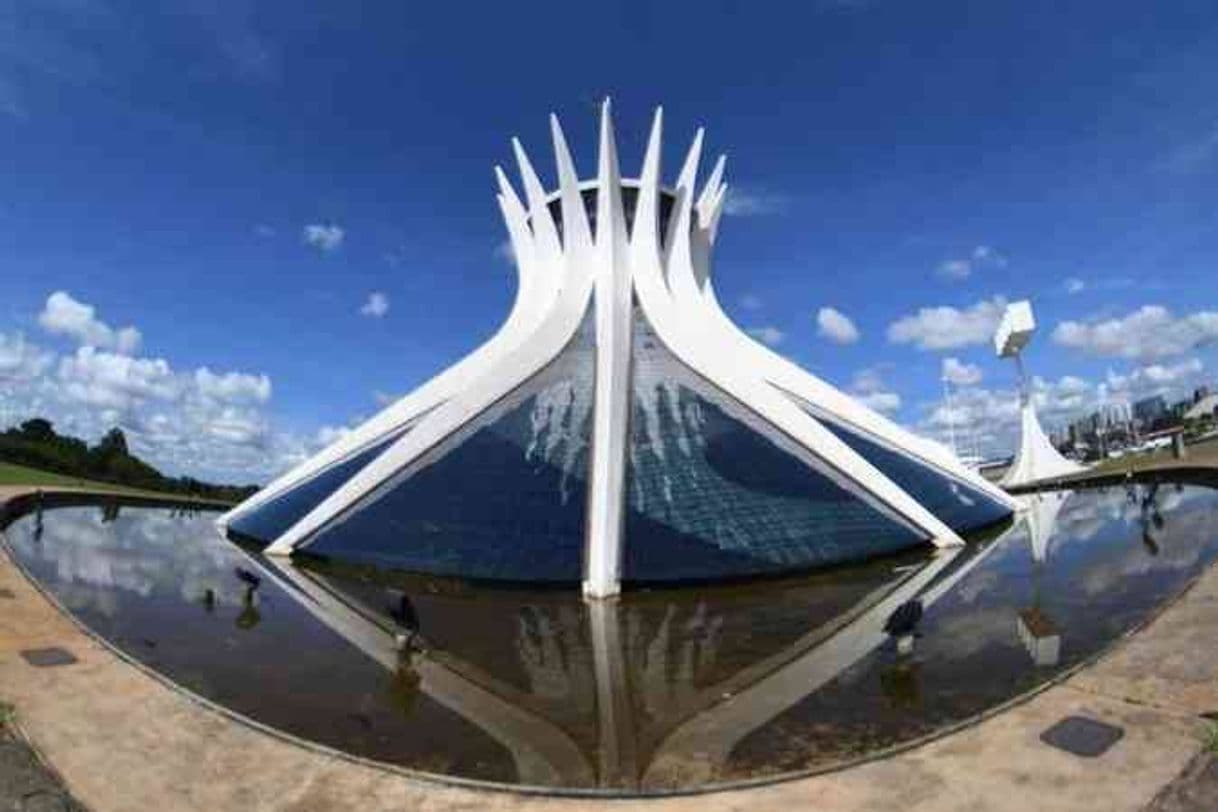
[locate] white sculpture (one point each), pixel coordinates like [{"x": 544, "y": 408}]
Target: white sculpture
[
  {"x": 1036, "y": 459},
  {"x": 627, "y": 287}
]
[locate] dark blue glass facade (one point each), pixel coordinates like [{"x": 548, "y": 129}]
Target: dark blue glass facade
[
  {"x": 958, "y": 505},
  {"x": 715, "y": 492},
  {"x": 504, "y": 498},
  {"x": 267, "y": 522}
]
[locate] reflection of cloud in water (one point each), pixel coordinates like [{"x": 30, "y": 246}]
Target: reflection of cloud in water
[
  {"x": 963, "y": 634},
  {"x": 1181, "y": 545},
  {"x": 976, "y": 585},
  {"x": 143, "y": 551},
  {"x": 1084, "y": 516}
]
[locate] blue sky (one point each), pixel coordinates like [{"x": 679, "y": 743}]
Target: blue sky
[{"x": 234, "y": 181}]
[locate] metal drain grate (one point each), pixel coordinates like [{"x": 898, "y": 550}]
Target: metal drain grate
[
  {"x": 48, "y": 657},
  {"x": 1082, "y": 736}
]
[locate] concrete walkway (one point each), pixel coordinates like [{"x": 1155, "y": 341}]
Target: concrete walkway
[{"x": 123, "y": 740}]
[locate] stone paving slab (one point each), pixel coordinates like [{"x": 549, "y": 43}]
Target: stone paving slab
[
  {"x": 125, "y": 741},
  {"x": 1176, "y": 666}
]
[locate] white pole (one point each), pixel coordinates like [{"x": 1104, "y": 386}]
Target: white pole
[{"x": 951, "y": 416}]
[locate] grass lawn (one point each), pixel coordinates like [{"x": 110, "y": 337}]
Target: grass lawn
[
  {"x": 1203, "y": 453},
  {"x": 11, "y": 474}
]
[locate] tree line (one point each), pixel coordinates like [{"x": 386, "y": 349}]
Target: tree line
[{"x": 36, "y": 443}]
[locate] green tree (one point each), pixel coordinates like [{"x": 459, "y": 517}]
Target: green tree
[{"x": 38, "y": 430}]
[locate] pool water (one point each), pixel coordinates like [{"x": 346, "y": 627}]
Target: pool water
[{"x": 657, "y": 691}]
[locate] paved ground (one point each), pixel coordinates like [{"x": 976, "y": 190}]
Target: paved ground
[{"x": 125, "y": 741}]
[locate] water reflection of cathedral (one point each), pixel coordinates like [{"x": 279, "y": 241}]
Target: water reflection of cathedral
[{"x": 649, "y": 691}]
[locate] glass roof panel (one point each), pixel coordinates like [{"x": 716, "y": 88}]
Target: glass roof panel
[
  {"x": 504, "y": 498},
  {"x": 714, "y": 491}
]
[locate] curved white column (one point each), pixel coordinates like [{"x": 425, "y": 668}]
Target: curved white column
[
  {"x": 713, "y": 733},
  {"x": 539, "y": 275},
  {"x": 544, "y": 755},
  {"x": 610, "y": 418},
  {"x": 693, "y": 291},
  {"x": 510, "y": 370},
  {"x": 562, "y": 273},
  {"x": 723, "y": 364}
]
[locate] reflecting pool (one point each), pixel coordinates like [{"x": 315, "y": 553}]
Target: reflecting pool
[{"x": 660, "y": 690}]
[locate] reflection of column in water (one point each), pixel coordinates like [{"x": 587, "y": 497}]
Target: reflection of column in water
[
  {"x": 617, "y": 762},
  {"x": 1152, "y": 519},
  {"x": 901, "y": 684},
  {"x": 249, "y": 616},
  {"x": 110, "y": 511},
  {"x": 545, "y": 652},
  {"x": 1037, "y": 631},
  {"x": 406, "y": 619},
  {"x": 38, "y": 517},
  {"x": 1039, "y": 636},
  {"x": 405, "y": 682},
  {"x": 667, "y": 679}
]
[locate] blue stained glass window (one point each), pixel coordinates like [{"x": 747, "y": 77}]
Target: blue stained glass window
[
  {"x": 267, "y": 522},
  {"x": 958, "y": 505},
  {"x": 714, "y": 491},
  {"x": 504, "y": 498}
]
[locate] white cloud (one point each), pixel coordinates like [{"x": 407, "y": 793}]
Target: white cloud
[
  {"x": 1147, "y": 333},
  {"x": 869, "y": 388},
  {"x": 946, "y": 328},
  {"x": 505, "y": 252},
  {"x": 376, "y": 306},
  {"x": 835, "y": 326},
  {"x": 325, "y": 237},
  {"x": 881, "y": 401},
  {"x": 329, "y": 434},
  {"x": 768, "y": 334},
  {"x": 1154, "y": 379},
  {"x": 981, "y": 257},
  {"x": 21, "y": 360},
  {"x": 385, "y": 398},
  {"x": 64, "y": 315},
  {"x": 108, "y": 380},
  {"x": 961, "y": 374},
  {"x": 211, "y": 424},
  {"x": 750, "y": 301},
  {"x": 264, "y": 231},
  {"x": 955, "y": 269},
  {"x": 1075, "y": 285},
  {"x": 232, "y": 387},
  {"x": 752, "y": 202},
  {"x": 989, "y": 418}
]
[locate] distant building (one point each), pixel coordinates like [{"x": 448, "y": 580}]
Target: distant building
[
  {"x": 1116, "y": 413},
  {"x": 1148, "y": 410}
]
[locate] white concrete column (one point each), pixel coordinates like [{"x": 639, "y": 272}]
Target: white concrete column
[{"x": 611, "y": 413}]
